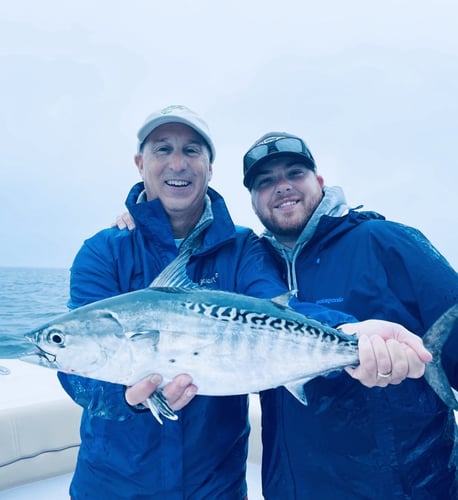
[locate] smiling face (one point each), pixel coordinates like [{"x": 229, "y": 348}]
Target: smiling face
[
  {"x": 175, "y": 167},
  {"x": 284, "y": 195}
]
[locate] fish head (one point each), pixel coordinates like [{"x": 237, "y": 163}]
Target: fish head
[{"x": 76, "y": 343}]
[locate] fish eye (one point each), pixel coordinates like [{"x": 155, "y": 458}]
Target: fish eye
[{"x": 55, "y": 337}]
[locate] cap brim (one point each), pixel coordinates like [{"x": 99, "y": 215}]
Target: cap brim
[
  {"x": 253, "y": 170},
  {"x": 148, "y": 128}
]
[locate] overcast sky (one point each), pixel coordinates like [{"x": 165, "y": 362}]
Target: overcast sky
[{"x": 372, "y": 87}]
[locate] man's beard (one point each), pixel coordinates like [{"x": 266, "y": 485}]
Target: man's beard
[{"x": 290, "y": 231}]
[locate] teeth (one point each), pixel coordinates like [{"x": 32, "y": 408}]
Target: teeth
[
  {"x": 287, "y": 204},
  {"x": 177, "y": 183}
]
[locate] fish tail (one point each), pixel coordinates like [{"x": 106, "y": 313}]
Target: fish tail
[{"x": 434, "y": 340}]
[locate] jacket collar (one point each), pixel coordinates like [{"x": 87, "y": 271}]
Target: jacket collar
[{"x": 151, "y": 219}]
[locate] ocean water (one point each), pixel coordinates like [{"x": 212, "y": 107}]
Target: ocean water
[{"x": 29, "y": 297}]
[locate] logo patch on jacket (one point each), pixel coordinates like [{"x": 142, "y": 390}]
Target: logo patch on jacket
[
  {"x": 209, "y": 281},
  {"x": 330, "y": 300}
]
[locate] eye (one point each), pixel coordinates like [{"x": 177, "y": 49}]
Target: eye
[
  {"x": 297, "y": 172},
  {"x": 55, "y": 337},
  {"x": 193, "y": 150},
  {"x": 263, "y": 182},
  {"x": 161, "y": 149}
]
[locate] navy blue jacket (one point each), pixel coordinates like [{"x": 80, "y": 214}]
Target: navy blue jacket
[
  {"x": 126, "y": 454},
  {"x": 352, "y": 442}
]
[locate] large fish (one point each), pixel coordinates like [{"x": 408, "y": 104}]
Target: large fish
[{"x": 229, "y": 343}]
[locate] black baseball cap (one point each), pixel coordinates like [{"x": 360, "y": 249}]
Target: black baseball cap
[{"x": 272, "y": 145}]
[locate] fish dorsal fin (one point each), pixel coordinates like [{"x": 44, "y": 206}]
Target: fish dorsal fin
[
  {"x": 174, "y": 275},
  {"x": 296, "y": 388},
  {"x": 284, "y": 298}
]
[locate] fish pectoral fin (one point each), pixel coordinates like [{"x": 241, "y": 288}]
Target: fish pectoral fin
[
  {"x": 296, "y": 388},
  {"x": 158, "y": 405},
  {"x": 142, "y": 335}
]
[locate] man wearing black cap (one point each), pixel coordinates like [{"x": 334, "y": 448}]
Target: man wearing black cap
[{"x": 350, "y": 441}]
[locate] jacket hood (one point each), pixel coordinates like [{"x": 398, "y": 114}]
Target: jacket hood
[{"x": 331, "y": 219}]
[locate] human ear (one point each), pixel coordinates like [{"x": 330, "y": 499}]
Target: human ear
[
  {"x": 138, "y": 158},
  {"x": 210, "y": 172}
]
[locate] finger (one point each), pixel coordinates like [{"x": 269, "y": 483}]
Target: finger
[
  {"x": 180, "y": 391},
  {"x": 142, "y": 390},
  {"x": 187, "y": 395},
  {"x": 414, "y": 342},
  {"x": 383, "y": 360},
  {"x": 375, "y": 362},
  {"x": 120, "y": 222},
  {"x": 125, "y": 221},
  {"x": 129, "y": 222},
  {"x": 399, "y": 362},
  {"x": 366, "y": 372},
  {"x": 389, "y": 330},
  {"x": 416, "y": 367}
]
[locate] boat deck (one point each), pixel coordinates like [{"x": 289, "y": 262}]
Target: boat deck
[{"x": 39, "y": 432}]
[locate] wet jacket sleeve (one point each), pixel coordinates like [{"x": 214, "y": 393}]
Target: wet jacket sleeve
[
  {"x": 100, "y": 399},
  {"x": 92, "y": 280},
  {"x": 322, "y": 314},
  {"x": 259, "y": 275},
  {"x": 423, "y": 280}
]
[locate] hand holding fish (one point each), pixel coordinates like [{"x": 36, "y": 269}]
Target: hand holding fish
[
  {"x": 230, "y": 343},
  {"x": 388, "y": 353},
  {"x": 178, "y": 392}
]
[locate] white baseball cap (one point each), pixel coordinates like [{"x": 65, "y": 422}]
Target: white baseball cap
[{"x": 176, "y": 114}]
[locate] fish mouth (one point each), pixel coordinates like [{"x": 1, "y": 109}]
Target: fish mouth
[
  {"x": 39, "y": 356},
  {"x": 50, "y": 358}
]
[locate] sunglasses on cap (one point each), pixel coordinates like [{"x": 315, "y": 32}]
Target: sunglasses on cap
[{"x": 280, "y": 145}]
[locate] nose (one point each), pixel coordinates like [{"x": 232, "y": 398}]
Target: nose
[
  {"x": 282, "y": 186},
  {"x": 178, "y": 161}
]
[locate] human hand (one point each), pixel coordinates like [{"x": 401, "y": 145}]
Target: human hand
[
  {"x": 178, "y": 392},
  {"x": 124, "y": 221},
  {"x": 388, "y": 352}
]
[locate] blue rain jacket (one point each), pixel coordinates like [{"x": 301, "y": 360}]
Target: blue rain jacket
[
  {"x": 126, "y": 454},
  {"x": 352, "y": 442}
]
